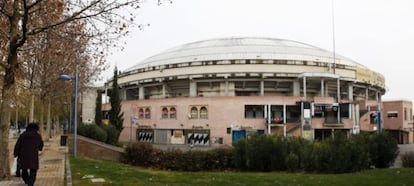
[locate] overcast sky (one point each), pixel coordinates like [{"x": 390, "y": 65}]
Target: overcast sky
[{"x": 378, "y": 34}]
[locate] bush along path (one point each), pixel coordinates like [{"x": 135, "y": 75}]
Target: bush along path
[{"x": 340, "y": 154}]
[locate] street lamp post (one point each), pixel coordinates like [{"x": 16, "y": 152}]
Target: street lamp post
[
  {"x": 133, "y": 121},
  {"x": 68, "y": 127},
  {"x": 75, "y": 114}
]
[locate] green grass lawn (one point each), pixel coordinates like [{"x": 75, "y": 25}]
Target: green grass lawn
[{"x": 121, "y": 174}]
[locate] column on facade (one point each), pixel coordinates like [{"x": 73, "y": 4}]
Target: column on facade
[
  {"x": 378, "y": 95},
  {"x": 338, "y": 92},
  {"x": 350, "y": 92},
  {"x": 366, "y": 93},
  {"x": 284, "y": 120},
  {"x": 226, "y": 88},
  {"x": 164, "y": 94},
  {"x": 351, "y": 99},
  {"x": 322, "y": 87},
  {"x": 304, "y": 87},
  {"x": 296, "y": 88},
  {"x": 141, "y": 93},
  {"x": 123, "y": 93},
  {"x": 262, "y": 87},
  {"x": 193, "y": 88}
]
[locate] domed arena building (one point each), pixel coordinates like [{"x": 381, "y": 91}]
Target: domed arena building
[{"x": 212, "y": 93}]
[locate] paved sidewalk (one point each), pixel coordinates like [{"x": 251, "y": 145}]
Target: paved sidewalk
[{"x": 51, "y": 164}]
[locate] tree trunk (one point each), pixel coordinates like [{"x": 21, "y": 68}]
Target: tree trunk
[
  {"x": 42, "y": 119},
  {"x": 8, "y": 81},
  {"x": 31, "y": 119},
  {"x": 4, "y": 134},
  {"x": 48, "y": 120}
]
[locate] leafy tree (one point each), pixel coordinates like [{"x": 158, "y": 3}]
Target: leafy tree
[
  {"x": 115, "y": 114},
  {"x": 22, "y": 22},
  {"x": 98, "y": 108}
]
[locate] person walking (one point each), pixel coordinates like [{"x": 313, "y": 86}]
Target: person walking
[{"x": 26, "y": 150}]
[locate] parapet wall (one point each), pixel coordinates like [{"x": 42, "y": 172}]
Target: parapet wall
[{"x": 94, "y": 149}]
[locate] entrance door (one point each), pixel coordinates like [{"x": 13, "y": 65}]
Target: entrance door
[{"x": 237, "y": 134}]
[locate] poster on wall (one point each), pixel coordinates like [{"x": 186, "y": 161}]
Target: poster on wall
[
  {"x": 198, "y": 137},
  {"x": 177, "y": 137},
  {"x": 307, "y": 129},
  {"x": 145, "y": 135}
]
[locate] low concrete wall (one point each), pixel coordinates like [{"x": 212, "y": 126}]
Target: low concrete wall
[{"x": 95, "y": 149}]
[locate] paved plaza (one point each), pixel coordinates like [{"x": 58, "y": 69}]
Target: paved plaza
[{"x": 52, "y": 164}]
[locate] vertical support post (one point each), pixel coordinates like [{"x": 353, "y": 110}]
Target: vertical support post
[
  {"x": 322, "y": 87},
  {"x": 304, "y": 87},
  {"x": 338, "y": 92},
  {"x": 269, "y": 115},
  {"x": 379, "y": 120},
  {"x": 75, "y": 130},
  {"x": 141, "y": 95},
  {"x": 193, "y": 88},
  {"x": 284, "y": 120},
  {"x": 262, "y": 87}
]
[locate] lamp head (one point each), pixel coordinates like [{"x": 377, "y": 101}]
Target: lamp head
[{"x": 66, "y": 77}]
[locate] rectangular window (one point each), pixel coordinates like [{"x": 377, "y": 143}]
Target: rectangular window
[
  {"x": 331, "y": 114},
  {"x": 228, "y": 130},
  {"x": 344, "y": 109},
  {"x": 253, "y": 111},
  {"x": 318, "y": 111},
  {"x": 276, "y": 116},
  {"x": 293, "y": 113}
]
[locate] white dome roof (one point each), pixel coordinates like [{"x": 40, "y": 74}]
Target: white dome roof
[{"x": 243, "y": 48}]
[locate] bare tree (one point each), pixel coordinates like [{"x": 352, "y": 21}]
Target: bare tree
[{"x": 103, "y": 22}]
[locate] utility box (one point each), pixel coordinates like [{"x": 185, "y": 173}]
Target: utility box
[{"x": 63, "y": 140}]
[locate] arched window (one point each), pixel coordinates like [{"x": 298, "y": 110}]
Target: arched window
[
  {"x": 173, "y": 113},
  {"x": 141, "y": 113},
  {"x": 164, "y": 112},
  {"x": 147, "y": 113},
  {"x": 194, "y": 113},
  {"x": 203, "y": 113}
]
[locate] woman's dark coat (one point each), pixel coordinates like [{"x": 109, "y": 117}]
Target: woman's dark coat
[{"x": 27, "y": 147}]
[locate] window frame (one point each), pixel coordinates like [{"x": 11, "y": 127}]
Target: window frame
[
  {"x": 164, "y": 113},
  {"x": 203, "y": 115}
]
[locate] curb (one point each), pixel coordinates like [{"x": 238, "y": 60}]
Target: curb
[{"x": 68, "y": 173}]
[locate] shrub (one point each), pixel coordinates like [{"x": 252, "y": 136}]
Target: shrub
[
  {"x": 239, "y": 154},
  {"x": 296, "y": 145},
  {"x": 219, "y": 159},
  {"x": 407, "y": 159},
  {"x": 259, "y": 152},
  {"x": 92, "y": 131},
  {"x": 143, "y": 154},
  {"x": 278, "y": 153},
  {"x": 269, "y": 153},
  {"x": 112, "y": 134},
  {"x": 309, "y": 157},
  {"x": 359, "y": 152},
  {"x": 383, "y": 150},
  {"x": 139, "y": 154},
  {"x": 292, "y": 162},
  {"x": 339, "y": 153},
  {"x": 168, "y": 160}
]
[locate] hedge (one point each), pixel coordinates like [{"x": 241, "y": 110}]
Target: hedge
[{"x": 339, "y": 154}]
